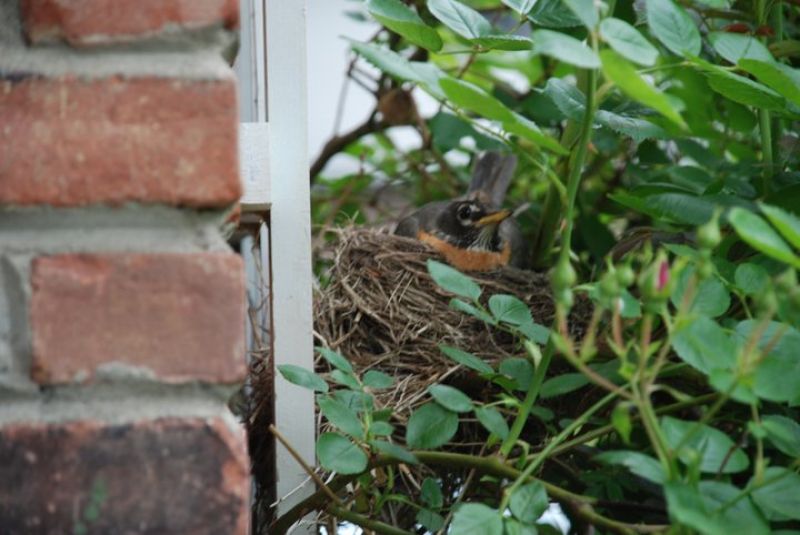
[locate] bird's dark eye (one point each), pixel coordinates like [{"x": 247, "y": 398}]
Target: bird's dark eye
[{"x": 464, "y": 212}]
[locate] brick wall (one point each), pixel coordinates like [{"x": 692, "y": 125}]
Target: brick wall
[{"x": 121, "y": 305}]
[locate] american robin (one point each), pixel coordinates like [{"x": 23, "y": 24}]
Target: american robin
[{"x": 472, "y": 232}]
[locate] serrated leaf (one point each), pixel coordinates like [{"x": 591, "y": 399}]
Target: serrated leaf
[
  {"x": 492, "y": 420},
  {"x": 621, "y": 420},
  {"x": 450, "y": 398},
  {"x": 473, "y": 98},
  {"x": 460, "y": 18},
  {"x": 525, "y": 128},
  {"x": 430, "y": 426},
  {"x": 752, "y": 279},
  {"x": 476, "y": 519},
  {"x": 529, "y": 502},
  {"x": 518, "y": 369},
  {"x": 638, "y": 463},
  {"x": 710, "y": 297},
  {"x": 509, "y": 309},
  {"x": 341, "y": 416},
  {"x": 430, "y": 520},
  {"x": 377, "y": 379},
  {"x": 453, "y": 281},
  {"x": 431, "y": 493},
  {"x": 777, "y": 76},
  {"x": 381, "y": 428},
  {"x": 625, "y": 76},
  {"x": 472, "y": 310},
  {"x": 760, "y": 236},
  {"x": 511, "y": 43},
  {"x": 736, "y": 46},
  {"x": 715, "y": 450},
  {"x": 628, "y": 42},
  {"x": 522, "y": 7},
  {"x": 704, "y": 345},
  {"x": 739, "y": 88},
  {"x": 303, "y": 377},
  {"x": 337, "y": 453},
  {"x": 633, "y": 127},
  {"x": 553, "y": 14},
  {"x": 780, "y": 498},
  {"x": 783, "y": 433},
  {"x": 467, "y": 359},
  {"x": 585, "y": 10},
  {"x": 674, "y": 27},
  {"x": 562, "y": 384},
  {"x": 402, "y": 20},
  {"x": 564, "y": 48},
  {"x": 777, "y": 377},
  {"x": 535, "y": 332}
]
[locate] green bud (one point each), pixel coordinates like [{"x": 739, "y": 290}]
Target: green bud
[
  {"x": 564, "y": 298},
  {"x": 786, "y": 281},
  {"x": 708, "y": 234},
  {"x": 608, "y": 286},
  {"x": 563, "y": 276},
  {"x": 705, "y": 269},
  {"x": 625, "y": 275}
]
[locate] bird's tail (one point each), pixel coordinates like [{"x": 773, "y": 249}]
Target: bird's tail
[{"x": 491, "y": 177}]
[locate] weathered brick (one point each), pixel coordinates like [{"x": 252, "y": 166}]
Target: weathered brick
[
  {"x": 180, "y": 316},
  {"x": 167, "y": 476},
  {"x": 89, "y": 22},
  {"x": 68, "y": 141}
]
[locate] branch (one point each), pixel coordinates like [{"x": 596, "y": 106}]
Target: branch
[{"x": 338, "y": 143}]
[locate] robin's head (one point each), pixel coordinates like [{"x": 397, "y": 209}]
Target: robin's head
[{"x": 470, "y": 224}]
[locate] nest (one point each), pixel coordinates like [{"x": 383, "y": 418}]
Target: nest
[{"x": 383, "y": 311}]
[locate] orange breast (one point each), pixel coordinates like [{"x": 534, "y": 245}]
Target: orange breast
[{"x": 465, "y": 259}]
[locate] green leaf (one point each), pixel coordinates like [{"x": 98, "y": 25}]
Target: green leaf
[
  {"x": 378, "y": 380},
  {"x": 624, "y": 75},
  {"x": 462, "y": 19},
  {"x": 335, "y": 358},
  {"x": 518, "y": 369},
  {"x": 752, "y": 279},
  {"x": 568, "y": 99},
  {"x": 777, "y": 377},
  {"x": 711, "y": 446},
  {"x": 633, "y": 127},
  {"x": 535, "y": 332},
  {"x": 585, "y": 11},
  {"x": 787, "y": 224},
  {"x": 303, "y": 377},
  {"x": 472, "y": 98},
  {"x": 492, "y": 420},
  {"x": 425, "y": 74},
  {"x": 740, "y": 89},
  {"x": 779, "y": 499},
  {"x": 380, "y": 428},
  {"x": 553, "y": 14},
  {"x": 562, "y": 384},
  {"x": 430, "y": 426},
  {"x": 529, "y": 502},
  {"x": 340, "y": 416},
  {"x": 727, "y": 516},
  {"x": 337, "y": 453},
  {"x": 430, "y": 520},
  {"x": 395, "y": 451},
  {"x": 512, "y": 43},
  {"x": 347, "y": 379},
  {"x": 472, "y": 310},
  {"x": 621, "y": 420},
  {"x": 522, "y": 7},
  {"x": 640, "y": 464},
  {"x": 628, "y": 42},
  {"x": 736, "y": 46},
  {"x": 527, "y": 129},
  {"x": 711, "y": 298},
  {"x": 760, "y": 236},
  {"x": 784, "y": 433},
  {"x": 777, "y": 76},
  {"x": 450, "y": 398},
  {"x": 704, "y": 345},
  {"x": 509, "y": 309},
  {"x": 431, "y": 493},
  {"x": 476, "y": 519},
  {"x": 467, "y": 359},
  {"x": 402, "y": 20},
  {"x": 453, "y": 281},
  {"x": 564, "y": 48},
  {"x": 674, "y": 27}
]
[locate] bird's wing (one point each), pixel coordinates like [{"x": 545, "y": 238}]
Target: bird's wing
[
  {"x": 422, "y": 219},
  {"x": 509, "y": 231},
  {"x": 491, "y": 178}
]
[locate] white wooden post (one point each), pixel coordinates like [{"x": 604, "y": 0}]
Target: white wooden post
[{"x": 290, "y": 234}]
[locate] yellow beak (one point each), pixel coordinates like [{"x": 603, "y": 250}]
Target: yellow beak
[{"x": 495, "y": 218}]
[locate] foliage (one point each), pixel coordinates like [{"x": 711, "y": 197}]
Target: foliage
[{"x": 675, "y": 121}]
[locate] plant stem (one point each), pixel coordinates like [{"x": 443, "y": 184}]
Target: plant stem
[
  {"x": 765, "y": 130},
  {"x": 365, "y": 522},
  {"x": 530, "y": 398}
]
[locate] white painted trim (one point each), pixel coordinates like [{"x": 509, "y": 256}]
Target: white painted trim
[
  {"x": 290, "y": 237},
  {"x": 254, "y": 164}
]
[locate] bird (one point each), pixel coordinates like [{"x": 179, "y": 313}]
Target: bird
[{"x": 472, "y": 232}]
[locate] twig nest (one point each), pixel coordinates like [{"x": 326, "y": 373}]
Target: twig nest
[{"x": 383, "y": 311}]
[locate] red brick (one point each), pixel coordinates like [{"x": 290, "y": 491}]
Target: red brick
[
  {"x": 67, "y": 141},
  {"x": 166, "y": 476},
  {"x": 88, "y": 22},
  {"x": 179, "y": 315}
]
